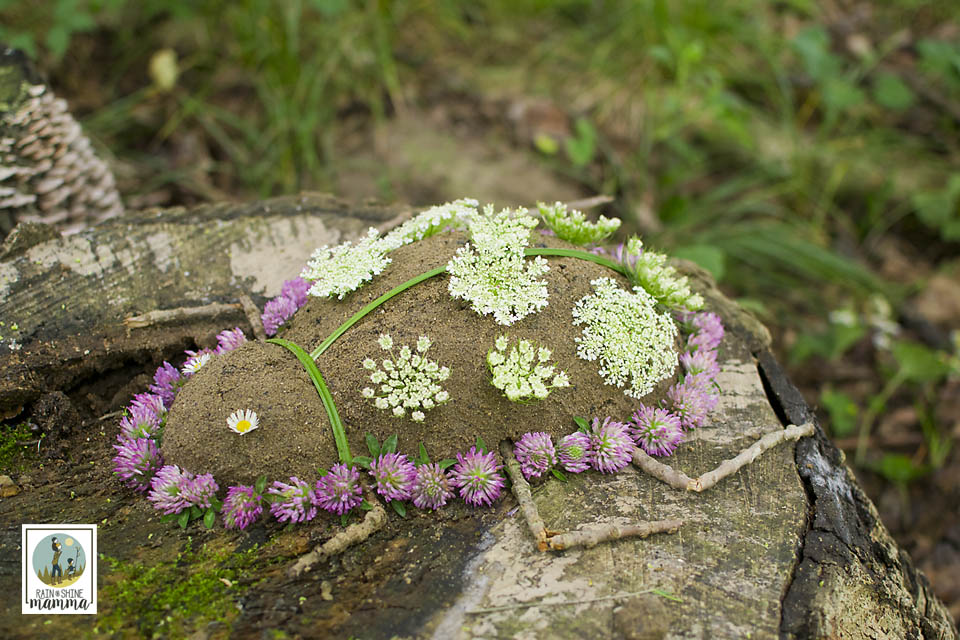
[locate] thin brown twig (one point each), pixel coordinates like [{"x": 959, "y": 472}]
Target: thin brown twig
[
  {"x": 253, "y": 317},
  {"x": 591, "y": 537},
  {"x": 372, "y": 522},
  {"x": 660, "y": 471},
  {"x": 166, "y": 316},
  {"x": 521, "y": 489},
  {"x": 748, "y": 455},
  {"x": 593, "y": 201}
]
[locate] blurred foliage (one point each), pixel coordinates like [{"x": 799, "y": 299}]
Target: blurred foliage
[{"x": 771, "y": 142}]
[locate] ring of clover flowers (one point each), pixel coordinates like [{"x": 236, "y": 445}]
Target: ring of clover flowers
[
  {"x": 605, "y": 446},
  {"x": 500, "y": 246},
  {"x": 408, "y": 381},
  {"x": 523, "y": 373}
]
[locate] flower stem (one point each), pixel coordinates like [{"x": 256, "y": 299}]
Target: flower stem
[
  {"x": 580, "y": 254},
  {"x": 373, "y": 305},
  {"x": 339, "y": 433}
]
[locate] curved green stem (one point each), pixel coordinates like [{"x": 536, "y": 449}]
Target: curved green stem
[
  {"x": 580, "y": 254},
  {"x": 339, "y": 433},
  {"x": 373, "y": 305}
]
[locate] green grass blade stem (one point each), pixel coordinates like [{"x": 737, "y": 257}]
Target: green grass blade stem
[
  {"x": 373, "y": 305},
  {"x": 577, "y": 253},
  {"x": 339, "y": 433}
]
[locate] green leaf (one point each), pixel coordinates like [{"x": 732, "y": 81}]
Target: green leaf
[
  {"x": 339, "y": 434},
  {"x": 184, "y": 519},
  {"x": 481, "y": 445},
  {"x": 195, "y": 512},
  {"x": 843, "y": 412},
  {"x": 813, "y": 46},
  {"x": 582, "y": 424},
  {"x": 322, "y": 472},
  {"x": 582, "y": 147},
  {"x": 666, "y": 594},
  {"x": 918, "y": 363},
  {"x": 424, "y": 458},
  {"x": 373, "y": 445},
  {"x": 169, "y": 517},
  {"x": 559, "y": 475},
  {"x": 545, "y": 144},
  {"x": 363, "y": 461},
  {"x": 891, "y": 92},
  {"x": 710, "y": 258},
  {"x": 399, "y": 508},
  {"x": 389, "y": 445},
  {"x": 366, "y": 506},
  {"x": 343, "y": 519},
  {"x": 899, "y": 469},
  {"x": 209, "y": 518},
  {"x": 840, "y": 95},
  {"x": 446, "y": 463},
  {"x": 216, "y": 504}
]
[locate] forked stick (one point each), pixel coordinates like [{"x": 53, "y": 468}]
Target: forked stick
[
  {"x": 660, "y": 471},
  {"x": 748, "y": 455}
]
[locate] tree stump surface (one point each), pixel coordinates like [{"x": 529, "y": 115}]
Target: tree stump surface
[{"x": 788, "y": 547}]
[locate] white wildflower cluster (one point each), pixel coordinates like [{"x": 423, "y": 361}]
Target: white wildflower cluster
[
  {"x": 634, "y": 342},
  {"x": 650, "y": 270},
  {"x": 344, "y": 268},
  {"x": 407, "y": 382},
  {"x": 572, "y": 225},
  {"x": 430, "y": 222},
  {"x": 523, "y": 373},
  {"x": 490, "y": 271}
]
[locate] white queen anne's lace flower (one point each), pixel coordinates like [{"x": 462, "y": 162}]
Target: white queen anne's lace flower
[
  {"x": 409, "y": 381},
  {"x": 573, "y": 226},
  {"x": 523, "y": 373},
  {"x": 430, "y": 222},
  {"x": 633, "y": 341},
  {"x": 490, "y": 271},
  {"x": 339, "y": 270}
]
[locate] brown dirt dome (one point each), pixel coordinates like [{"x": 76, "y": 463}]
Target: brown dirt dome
[{"x": 294, "y": 437}]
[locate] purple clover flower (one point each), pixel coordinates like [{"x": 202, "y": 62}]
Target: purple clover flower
[
  {"x": 276, "y": 312},
  {"x": 166, "y": 487},
  {"x": 701, "y": 361},
  {"x": 229, "y": 339},
  {"x": 166, "y": 381},
  {"x": 149, "y": 402},
  {"x": 199, "y": 490},
  {"x": 394, "y": 474},
  {"x": 574, "y": 452},
  {"x": 692, "y": 400},
  {"x": 709, "y": 332},
  {"x": 611, "y": 447},
  {"x": 241, "y": 508},
  {"x": 535, "y": 453},
  {"x": 478, "y": 477},
  {"x": 294, "y": 501},
  {"x": 141, "y": 422},
  {"x": 431, "y": 488},
  {"x": 656, "y": 431},
  {"x": 339, "y": 490},
  {"x": 136, "y": 462},
  {"x": 296, "y": 290}
]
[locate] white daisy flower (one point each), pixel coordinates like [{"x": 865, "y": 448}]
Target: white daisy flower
[
  {"x": 195, "y": 363},
  {"x": 243, "y": 421}
]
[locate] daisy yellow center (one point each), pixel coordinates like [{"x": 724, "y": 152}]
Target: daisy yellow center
[{"x": 243, "y": 426}]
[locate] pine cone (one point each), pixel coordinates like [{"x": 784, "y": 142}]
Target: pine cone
[{"x": 48, "y": 170}]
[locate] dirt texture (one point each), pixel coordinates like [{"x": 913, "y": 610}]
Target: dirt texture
[{"x": 269, "y": 380}]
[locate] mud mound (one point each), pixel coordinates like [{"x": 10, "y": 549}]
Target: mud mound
[{"x": 294, "y": 437}]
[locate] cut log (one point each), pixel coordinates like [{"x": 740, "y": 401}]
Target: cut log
[{"x": 786, "y": 547}]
